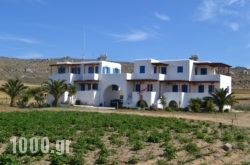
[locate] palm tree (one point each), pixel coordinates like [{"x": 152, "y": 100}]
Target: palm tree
[
  {"x": 39, "y": 94},
  {"x": 221, "y": 97},
  {"x": 56, "y": 88},
  {"x": 71, "y": 91},
  {"x": 13, "y": 88}
]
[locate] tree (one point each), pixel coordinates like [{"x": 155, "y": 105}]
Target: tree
[
  {"x": 39, "y": 94},
  {"x": 23, "y": 98},
  {"x": 56, "y": 88},
  {"x": 71, "y": 91},
  {"x": 13, "y": 88},
  {"x": 221, "y": 97}
]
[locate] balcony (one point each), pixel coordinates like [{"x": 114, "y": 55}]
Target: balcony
[
  {"x": 69, "y": 77},
  {"x": 92, "y": 76},
  {"x": 144, "y": 76},
  {"x": 201, "y": 78}
]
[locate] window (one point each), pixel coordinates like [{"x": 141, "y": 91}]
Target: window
[
  {"x": 89, "y": 87},
  {"x": 201, "y": 88},
  {"x": 184, "y": 88},
  {"x": 142, "y": 69},
  {"x": 155, "y": 69},
  {"x": 150, "y": 87},
  {"x": 163, "y": 70},
  {"x": 175, "y": 88},
  {"x": 137, "y": 87},
  {"x": 95, "y": 86},
  {"x": 211, "y": 88},
  {"x": 179, "y": 69},
  {"x": 115, "y": 88},
  {"x": 203, "y": 71},
  {"x": 105, "y": 70},
  {"x": 61, "y": 70},
  {"x": 96, "y": 69},
  {"x": 116, "y": 70},
  {"x": 196, "y": 71},
  {"x": 91, "y": 69},
  {"x": 82, "y": 87},
  {"x": 76, "y": 70}
]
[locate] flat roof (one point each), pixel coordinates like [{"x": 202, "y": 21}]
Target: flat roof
[{"x": 213, "y": 64}]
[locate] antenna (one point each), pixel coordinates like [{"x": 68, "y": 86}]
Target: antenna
[{"x": 84, "y": 42}]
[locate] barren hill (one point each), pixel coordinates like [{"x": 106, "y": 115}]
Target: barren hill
[{"x": 35, "y": 71}]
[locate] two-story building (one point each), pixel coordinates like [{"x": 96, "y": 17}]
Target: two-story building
[{"x": 99, "y": 82}]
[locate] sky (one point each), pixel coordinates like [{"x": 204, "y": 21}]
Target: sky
[{"x": 126, "y": 30}]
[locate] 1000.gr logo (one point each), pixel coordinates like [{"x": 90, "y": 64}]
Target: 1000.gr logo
[{"x": 62, "y": 146}]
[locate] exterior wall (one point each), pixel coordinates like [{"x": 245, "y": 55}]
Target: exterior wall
[
  {"x": 88, "y": 97},
  {"x": 226, "y": 82},
  {"x": 172, "y": 73}
]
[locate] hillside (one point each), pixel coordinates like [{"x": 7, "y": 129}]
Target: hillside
[{"x": 35, "y": 71}]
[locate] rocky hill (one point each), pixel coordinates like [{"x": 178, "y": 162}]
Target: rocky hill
[{"x": 35, "y": 71}]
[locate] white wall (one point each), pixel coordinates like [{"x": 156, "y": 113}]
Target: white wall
[
  {"x": 88, "y": 97},
  {"x": 172, "y": 73}
]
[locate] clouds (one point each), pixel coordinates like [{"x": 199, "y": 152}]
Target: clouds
[
  {"x": 141, "y": 35},
  {"x": 132, "y": 36},
  {"x": 18, "y": 39},
  {"x": 234, "y": 26},
  {"x": 232, "y": 13},
  {"x": 161, "y": 16},
  {"x": 207, "y": 10}
]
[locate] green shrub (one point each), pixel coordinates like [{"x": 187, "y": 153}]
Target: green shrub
[
  {"x": 138, "y": 145},
  {"x": 154, "y": 137},
  {"x": 169, "y": 152},
  {"x": 192, "y": 148},
  {"x": 133, "y": 160},
  {"x": 195, "y": 104}
]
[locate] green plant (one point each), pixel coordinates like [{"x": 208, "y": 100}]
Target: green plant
[
  {"x": 154, "y": 137},
  {"x": 71, "y": 91},
  {"x": 163, "y": 101},
  {"x": 161, "y": 162},
  {"x": 195, "y": 104},
  {"x": 221, "y": 97},
  {"x": 241, "y": 146},
  {"x": 133, "y": 160},
  {"x": 56, "y": 88},
  {"x": 13, "y": 88},
  {"x": 8, "y": 160},
  {"x": 169, "y": 152},
  {"x": 137, "y": 145},
  {"x": 192, "y": 148}
]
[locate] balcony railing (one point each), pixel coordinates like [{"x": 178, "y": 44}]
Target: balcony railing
[
  {"x": 205, "y": 78},
  {"x": 92, "y": 76},
  {"x": 145, "y": 76}
]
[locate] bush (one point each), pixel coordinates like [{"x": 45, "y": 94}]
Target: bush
[
  {"x": 169, "y": 152},
  {"x": 195, "y": 104},
  {"x": 138, "y": 145},
  {"x": 133, "y": 160},
  {"x": 192, "y": 148}
]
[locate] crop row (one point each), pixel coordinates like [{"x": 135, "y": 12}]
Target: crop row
[{"x": 105, "y": 134}]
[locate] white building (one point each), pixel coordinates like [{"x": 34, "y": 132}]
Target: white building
[{"x": 99, "y": 82}]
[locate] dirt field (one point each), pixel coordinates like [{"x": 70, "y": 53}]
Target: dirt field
[{"x": 218, "y": 157}]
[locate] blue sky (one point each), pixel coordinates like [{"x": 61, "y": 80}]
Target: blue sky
[{"x": 216, "y": 30}]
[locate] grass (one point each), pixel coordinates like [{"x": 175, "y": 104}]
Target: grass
[{"x": 107, "y": 136}]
